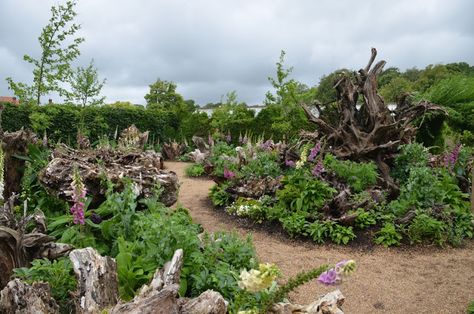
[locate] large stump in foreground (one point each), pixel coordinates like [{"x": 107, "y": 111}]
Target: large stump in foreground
[
  {"x": 367, "y": 130},
  {"x": 143, "y": 168}
]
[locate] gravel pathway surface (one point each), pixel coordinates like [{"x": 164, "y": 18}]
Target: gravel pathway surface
[{"x": 388, "y": 280}]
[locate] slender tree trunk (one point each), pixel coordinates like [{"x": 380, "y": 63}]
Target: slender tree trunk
[{"x": 472, "y": 190}]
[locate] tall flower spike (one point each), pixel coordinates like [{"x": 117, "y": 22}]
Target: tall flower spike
[
  {"x": 2, "y": 172},
  {"x": 79, "y": 197}
]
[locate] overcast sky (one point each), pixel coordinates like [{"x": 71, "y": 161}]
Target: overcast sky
[{"x": 211, "y": 47}]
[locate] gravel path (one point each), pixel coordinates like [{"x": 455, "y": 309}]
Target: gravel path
[{"x": 393, "y": 280}]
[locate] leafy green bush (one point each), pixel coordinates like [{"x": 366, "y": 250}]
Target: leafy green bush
[
  {"x": 470, "y": 308},
  {"x": 341, "y": 234},
  {"x": 219, "y": 196},
  {"x": 304, "y": 193},
  {"x": 410, "y": 155},
  {"x": 364, "y": 218},
  {"x": 253, "y": 209},
  {"x": 294, "y": 223},
  {"x": 358, "y": 175},
  {"x": 58, "y": 273},
  {"x": 194, "y": 170},
  {"x": 265, "y": 164},
  {"x": 388, "y": 235},
  {"x": 424, "y": 226}
]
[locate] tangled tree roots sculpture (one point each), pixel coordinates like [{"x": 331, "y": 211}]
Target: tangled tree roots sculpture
[{"x": 369, "y": 131}]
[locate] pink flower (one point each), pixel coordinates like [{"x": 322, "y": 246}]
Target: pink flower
[
  {"x": 329, "y": 277},
  {"x": 318, "y": 169},
  {"x": 228, "y": 138},
  {"x": 451, "y": 158},
  {"x": 79, "y": 197},
  {"x": 228, "y": 174},
  {"x": 314, "y": 152},
  {"x": 290, "y": 163}
]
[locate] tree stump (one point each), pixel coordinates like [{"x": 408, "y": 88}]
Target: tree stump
[
  {"x": 97, "y": 280},
  {"x": 18, "y": 297}
]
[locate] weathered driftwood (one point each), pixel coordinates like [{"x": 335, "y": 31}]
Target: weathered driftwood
[
  {"x": 173, "y": 150},
  {"x": 327, "y": 304},
  {"x": 15, "y": 144},
  {"x": 98, "y": 288},
  {"x": 19, "y": 297},
  {"x": 201, "y": 144},
  {"x": 18, "y": 249},
  {"x": 255, "y": 187},
  {"x": 368, "y": 130},
  {"x": 143, "y": 168},
  {"x": 132, "y": 138},
  {"x": 97, "y": 280},
  {"x": 208, "y": 302}
]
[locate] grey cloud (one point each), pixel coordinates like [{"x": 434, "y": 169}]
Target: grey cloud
[{"x": 210, "y": 47}]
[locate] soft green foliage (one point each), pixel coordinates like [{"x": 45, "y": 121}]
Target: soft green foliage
[
  {"x": 163, "y": 95},
  {"x": 425, "y": 226},
  {"x": 61, "y": 122},
  {"x": 219, "y": 196},
  {"x": 442, "y": 210},
  {"x": 341, "y": 234},
  {"x": 364, "y": 218},
  {"x": 358, "y": 175},
  {"x": 245, "y": 207},
  {"x": 410, "y": 155},
  {"x": 470, "y": 308},
  {"x": 57, "y": 53},
  {"x": 143, "y": 240},
  {"x": 85, "y": 85},
  {"x": 58, "y": 273},
  {"x": 294, "y": 223},
  {"x": 304, "y": 193},
  {"x": 396, "y": 88},
  {"x": 265, "y": 164},
  {"x": 194, "y": 170},
  {"x": 388, "y": 235}
]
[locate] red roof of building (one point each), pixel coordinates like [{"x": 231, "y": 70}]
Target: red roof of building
[{"x": 12, "y": 100}]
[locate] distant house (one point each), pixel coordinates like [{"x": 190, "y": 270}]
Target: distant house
[{"x": 12, "y": 100}]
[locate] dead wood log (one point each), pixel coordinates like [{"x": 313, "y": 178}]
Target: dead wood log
[
  {"x": 208, "y": 302},
  {"x": 329, "y": 303},
  {"x": 18, "y": 249},
  {"x": 19, "y": 297},
  {"x": 97, "y": 280},
  {"x": 161, "y": 302},
  {"x": 132, "y": 138},
  {"x": 201, "y": 144},
  {"x": 368, "y": 130},
  {"x": 143, "y": 168},
  {"x": 15, "y": 144},
  {"x": 173, "y": 150}
]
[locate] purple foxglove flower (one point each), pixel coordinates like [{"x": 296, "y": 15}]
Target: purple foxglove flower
[
  {"x": 244, "y": 140},
  {"x": 210, "y": 140},
  {"x": 451, "y": 158},
  {"x": 228, "y": 138},
  {"x": 79, "y": 196},
  {"x": 329, "y": 277},
  {"x": 290, "y": 163},
  {"x": 318, "y": 169},
  {"x": 314, "y": 152},
  {"x": 228, "y": 174}
]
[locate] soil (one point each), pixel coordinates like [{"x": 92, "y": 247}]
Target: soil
[{"x": 425, "y": 279}]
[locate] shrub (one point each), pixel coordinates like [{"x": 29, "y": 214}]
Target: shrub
[
  {"x": 388, "y": 235},
  {"x": 194, "y": 170},
  {"x": 219, "y": 196},
  {"x": 410, "y": 156},
  {"x": 424, "y": 226},
  {"x": 358, "y": 175},
  {"x": 265, "y": 164},
  {"x": 294, "y": 223},
  {"x": 58, "y": 273}
]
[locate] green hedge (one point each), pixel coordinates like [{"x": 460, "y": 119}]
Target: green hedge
[{"x": 61, "y": 122}]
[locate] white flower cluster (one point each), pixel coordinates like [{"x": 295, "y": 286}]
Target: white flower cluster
[
  {"x": 256, "y": 280},
  {"x": 303, "y": 158}
]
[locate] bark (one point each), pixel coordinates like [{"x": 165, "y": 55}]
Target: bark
[
  {"x": 132, "y": 138},
  {"x": 330, "y": 303},
  {"x": 371, "y": 132},
  {"x": 18, "y": 297},
  {"x": 97, "y": 280},
  {"x": 18, "y": 249},
  {"x": 15, "y": 144},
  {"x": 143, "y": 168},
  {"x": 208, "y": 302},
  {"x": 173, "y": 150}
]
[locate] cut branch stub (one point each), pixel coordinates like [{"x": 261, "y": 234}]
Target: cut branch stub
[
  {"x": 19, "y": 297},
  {"x": 97, "y": 280}
]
